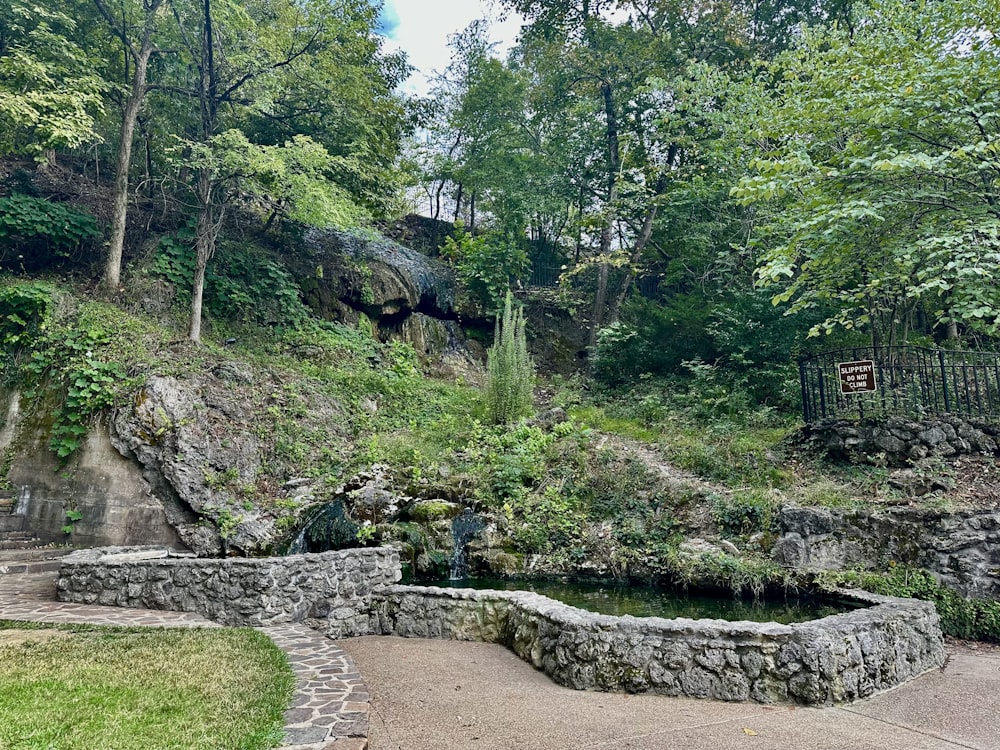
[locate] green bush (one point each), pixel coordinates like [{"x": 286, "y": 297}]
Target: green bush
[
  {"x": 653, "y": 337},
  {"x": 744, "y": 512},
  {"x": 242, "y": 284},
  {"x": 24, "y": 308},
  {"x": 486, "y": 264},
  {"x": 510, "y": 373},
  {"x": 34, "y": 231}
]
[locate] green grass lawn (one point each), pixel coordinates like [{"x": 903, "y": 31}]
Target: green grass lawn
[{"x": 102, "y": 688}]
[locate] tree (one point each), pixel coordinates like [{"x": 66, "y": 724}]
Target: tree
[
  {"x": 879, "y": 166},
  {"x": 139, "y": 51},
  {"x": 50, "y": 94},
  {"x": 242, "y": 57}
]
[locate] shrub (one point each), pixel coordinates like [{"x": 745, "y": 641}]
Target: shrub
[
  {"x": 744, "y": 513},
  {"x": 653, "y": 337},
  {"x": 510, "y": 371},
  {"x": 23, "y": 310},
  {"x": 486, "y": 264},
  {"x": 242, "y": 284},
  {"x": 35, "y": 231}
]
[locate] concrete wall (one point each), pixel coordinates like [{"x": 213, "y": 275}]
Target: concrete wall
[
  {"x": 837, "y": 658},
  {"x": 331, "y": 591},
  {"x": 108, "y": 489}
]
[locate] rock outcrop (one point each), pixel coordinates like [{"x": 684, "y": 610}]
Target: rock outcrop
[
  {"x": 197, "y": 442},
  {"x": 962, "y": 548}
]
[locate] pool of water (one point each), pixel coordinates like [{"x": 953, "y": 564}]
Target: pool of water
[{"x": 642, "y": 601}]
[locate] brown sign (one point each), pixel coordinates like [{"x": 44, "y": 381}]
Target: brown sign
[{"x": 857, "y": 377}]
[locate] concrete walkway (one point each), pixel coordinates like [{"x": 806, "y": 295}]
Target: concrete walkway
[
  {"x": 448, "y": 695},
  {"x": 329, "y": 710}
]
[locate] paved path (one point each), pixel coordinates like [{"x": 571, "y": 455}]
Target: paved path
[
  {"x": 448, "y": 695},
  {"x": 329, "y": 710}
]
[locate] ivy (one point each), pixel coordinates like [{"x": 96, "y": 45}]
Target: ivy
[
  {"x": 68, "y": 362},
  {"x": 24, "y": 308}
]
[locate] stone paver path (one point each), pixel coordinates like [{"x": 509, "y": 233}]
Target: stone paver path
[{"x": 329, "y": 710}]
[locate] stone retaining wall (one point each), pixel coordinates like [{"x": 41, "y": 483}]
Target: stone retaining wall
[
  {"x": 837, "y": 658},
  {"x": 330, "y": 591},
  {"x": 962, "y": 549},
  {"x": 898, "y": 441}
]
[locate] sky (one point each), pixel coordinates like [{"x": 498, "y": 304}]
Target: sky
[{"x": 421, "y": 29}]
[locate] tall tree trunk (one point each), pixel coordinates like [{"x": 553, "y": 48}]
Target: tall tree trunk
[
  {"x": 458, "y": 202},
  {"x": 119, "y": 215},
  {"x": 210, "y": 211},
  {"x": 210, "y": 218},
  {"x": 130, "y": 115},
  {"x": 640, "y": 244},
  {"x": 614, "y": 161}
]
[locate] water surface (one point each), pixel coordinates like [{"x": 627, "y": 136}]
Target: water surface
[{"x": 644, "y": 601}]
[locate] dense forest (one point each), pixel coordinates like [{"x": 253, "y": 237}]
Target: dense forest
[
  {"x": 704, "y": 190},
  {"x": 764, "y": 172}
]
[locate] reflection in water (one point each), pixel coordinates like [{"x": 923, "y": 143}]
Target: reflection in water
[{"x": 644, "y": 601}]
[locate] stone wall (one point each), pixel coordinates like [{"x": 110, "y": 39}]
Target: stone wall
[
  {"x": 898, "y": 441},
  {"x": 962, "y": 549},
  {"x": 838, "y": 658},
  {"x": 330, "y": 592}
]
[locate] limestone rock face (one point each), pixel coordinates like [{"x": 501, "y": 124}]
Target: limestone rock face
[
  {"x": 196, "y": 441},
  {"x": 375, "y": 275}
]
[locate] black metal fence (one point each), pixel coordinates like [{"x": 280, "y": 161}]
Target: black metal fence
[{"x": 908, "y": 381}]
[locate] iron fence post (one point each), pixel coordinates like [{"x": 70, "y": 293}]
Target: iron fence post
[
  {"x": 944, "y": 383},
  {"x": 806, "y": 411}
]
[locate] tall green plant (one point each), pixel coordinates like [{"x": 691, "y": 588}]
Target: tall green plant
[{"x": 510, "y": 371}]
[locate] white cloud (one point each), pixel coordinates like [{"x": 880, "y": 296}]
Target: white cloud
[{"x": 423, "y": 29}]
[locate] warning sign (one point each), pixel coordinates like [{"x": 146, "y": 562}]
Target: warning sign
[{"x": 857, "y": 377}]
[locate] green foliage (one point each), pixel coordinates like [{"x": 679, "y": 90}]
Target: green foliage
[
  {"x": 50, "y": 94},
  {"x": 486, "y": 264},
  {"x": 72, "y": 516},
  {"x": 76, "y": 368},
  {"x": 740, "y": 575},
  {"x": 24, "y": 310},
  {"x": 34, "y": 231},
  {"x": 547, "y": 521},
  {"x": 174, "y": 260},
  {"x": 745, "y": 512},
  {"x": 653, "y": 337},
  {"x": 704, "y": 425},
  {"x": 242, "y": 284},
  {"x": 291, "y": 179},
  {"x": 872, "y": 182},
  {"x": 69, "y": 363},
  {"x": 510, "y": 373},
  {"x": 509, "y": 462},
  {"x": 961, "y": 617}
]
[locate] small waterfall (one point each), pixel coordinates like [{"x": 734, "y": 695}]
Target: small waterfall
[
  {"x": 464, "y": 528},
  {"x": 327, "y": 528}
]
